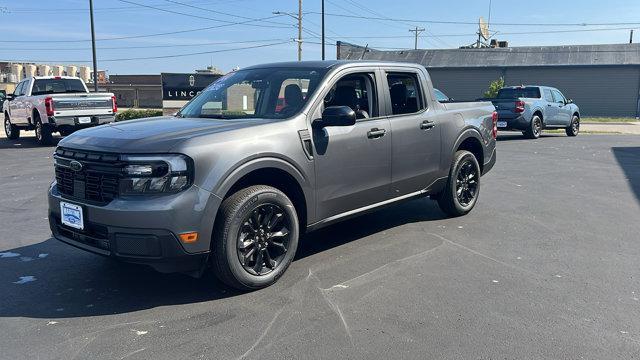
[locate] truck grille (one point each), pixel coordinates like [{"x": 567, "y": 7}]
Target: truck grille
[{"x": 95, "y": 181}]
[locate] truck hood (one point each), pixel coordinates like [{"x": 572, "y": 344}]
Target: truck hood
[{"x": 159, "y": 134}]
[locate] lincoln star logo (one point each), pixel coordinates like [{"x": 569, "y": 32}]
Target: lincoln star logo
[
  {"x": 192, "y": 80},
  {"x": 75, "y": 165}
]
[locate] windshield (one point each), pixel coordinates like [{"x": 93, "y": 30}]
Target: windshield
[
  {"x": 525, "y": 92},
  {"x": 57, "y": 86},
  {"x": 274, "y": 93},
  {"x": 440, "y": 96}
]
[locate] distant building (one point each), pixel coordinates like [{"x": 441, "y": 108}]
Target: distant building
[
  {"x": 142, "y": 91},
  {"x": 604, "y": 80}
]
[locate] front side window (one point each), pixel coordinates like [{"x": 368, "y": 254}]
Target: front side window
[
  {"x": 559, "y": 98},
  {"x": 272, "y": 93},
  {"x": 57, "y": 86},
  {"x": 18, "y": 90},
  {"x": 356, "y": 91},
  {"x": 404, "y": 90},
  {"x": 547, "y": 95}
]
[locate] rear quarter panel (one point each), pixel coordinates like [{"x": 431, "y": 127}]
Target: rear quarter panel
[{"x": 471, "y": 119}]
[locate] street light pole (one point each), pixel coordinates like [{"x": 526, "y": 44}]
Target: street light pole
[
  {"x": 322, "y": 29},
  {"x": 299, "y": 19},
  {"x": 93, "y": 48}
]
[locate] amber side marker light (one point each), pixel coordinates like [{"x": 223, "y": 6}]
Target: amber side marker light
[{"x": 189, "y": 237}]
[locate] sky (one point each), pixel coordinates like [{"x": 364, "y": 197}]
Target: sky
[{"x": 239, "y": 33}]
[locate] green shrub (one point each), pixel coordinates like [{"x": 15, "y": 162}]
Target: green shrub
[
  {"x": 131, "y": 114},
  {"x": 494, "y": 87}
]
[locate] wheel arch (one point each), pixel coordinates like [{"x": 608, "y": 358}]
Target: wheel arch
[
  {"x": 274, "y": 172},
  {"x": 471, "y": 141}
]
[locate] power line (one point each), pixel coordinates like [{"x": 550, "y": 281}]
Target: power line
[
  {"x": 153, "y": 57},
  {"x": 471, "y": 23},
  {"x": 221, "y": 12},
  {"x": 248, "y": 23},
  {"x": 140, "y": 36},
  {"x": 148, "y": 46}
]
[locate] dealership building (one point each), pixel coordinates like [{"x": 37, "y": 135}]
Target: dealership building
[{"x": 603, "y": 80}]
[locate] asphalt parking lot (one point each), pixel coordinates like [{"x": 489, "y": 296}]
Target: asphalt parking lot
[{"x": 546, "y": 266}]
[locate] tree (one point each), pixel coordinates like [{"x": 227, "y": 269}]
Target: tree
[{"x": 494, "y": 87}]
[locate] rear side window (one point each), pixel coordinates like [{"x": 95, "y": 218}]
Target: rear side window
[
  {"x": 404, "y": 90},
  {"x": 57, "y": 86},
  {"x": 521, "y": 92}
]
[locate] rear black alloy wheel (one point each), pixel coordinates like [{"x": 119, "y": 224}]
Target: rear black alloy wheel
[
  {"x": 263, "y": 239},
  {"x": 12, "y": 131},
  {"x": 535, "y": 128},
  {"x": 255, "y": 237},
  {"x": 467, "y": 183},
  {"x": 463, "y": 187},
  {"x": 574, "y": 128}
]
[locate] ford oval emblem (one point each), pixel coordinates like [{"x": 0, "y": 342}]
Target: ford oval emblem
[{"x": 75, "y": 165}]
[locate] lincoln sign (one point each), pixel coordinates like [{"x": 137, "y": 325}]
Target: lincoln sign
[{"x": 184, "y": 86}]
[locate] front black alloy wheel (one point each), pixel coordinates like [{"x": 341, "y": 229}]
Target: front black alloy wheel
[
  {"x": 263, "y": 240},
  {"x": 463, "y": 187},
  {"x": 574, "y": 128},
  {"x": 255, "y": 237}
]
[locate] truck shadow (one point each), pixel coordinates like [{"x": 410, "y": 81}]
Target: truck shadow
[
  {"x": 629, "y": 160},
  {"x": 53, "y": 280},
  {"x": 25, "y": 143},
  {"x": 512, "y": 136}
]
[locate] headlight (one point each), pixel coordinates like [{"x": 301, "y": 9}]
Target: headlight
[{"x": 155, "y": 174}]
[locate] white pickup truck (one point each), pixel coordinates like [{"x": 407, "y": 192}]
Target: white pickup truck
[{"x": 49, "y": 104}]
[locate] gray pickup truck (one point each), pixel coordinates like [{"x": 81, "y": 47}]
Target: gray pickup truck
[
  {"x": 235, "y": 178},
  {"x": 531, "y": 109},
  {"x": 49, "y": 104}
]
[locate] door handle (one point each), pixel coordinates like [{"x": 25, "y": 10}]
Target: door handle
[
  {"x": 376, "y": 133},
  {"x": 427, "y": 125}
]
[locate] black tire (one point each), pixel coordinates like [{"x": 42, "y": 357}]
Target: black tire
[
  {"x": 11, "y": 131},
  {"x": 66, "y": 132},
  {"x": 535, "y": 128},
  {"x": 235, "y": 236},
  {"x": 43, "y": 132},
  {"x": 574, "y": 128},
  {"x": 449, "y": 200}
]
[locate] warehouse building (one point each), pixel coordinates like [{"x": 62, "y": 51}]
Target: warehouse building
[{"x": 604, "y": 80}]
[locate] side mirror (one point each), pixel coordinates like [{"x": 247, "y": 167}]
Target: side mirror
[
  {"x": 569, "y": 101},
  {"x": 10, "y": 97},
  {"x": 336, "y": 116}
]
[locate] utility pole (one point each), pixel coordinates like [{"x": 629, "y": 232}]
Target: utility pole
[
  {"x": 322, "y": 29},
  {"x": 631, "y": 37},
  {"x": 417, "y": 32},
  {"x": 299, "y": 30},
  {"x": 93, "y": 48}
]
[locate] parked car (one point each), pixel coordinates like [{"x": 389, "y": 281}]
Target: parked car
[
  {"x": 441, "y": 97},
  {"x": 234, "y": 187},
  {"x": 50, "y": 104},
  {"x": 3, "y": 96},
  {"x": 531, "y": 109}
]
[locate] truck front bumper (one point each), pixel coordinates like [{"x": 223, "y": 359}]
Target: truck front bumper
[{"x": 143, "y": 231}]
